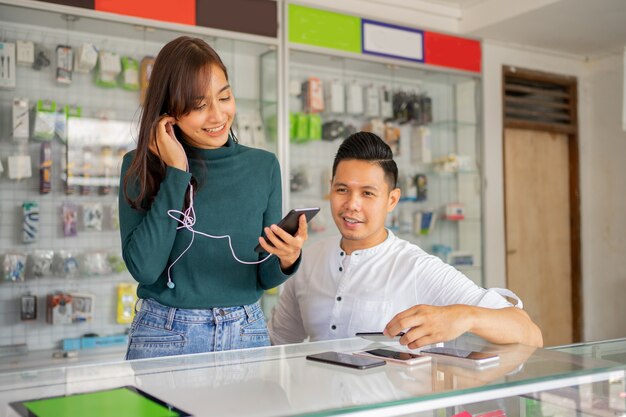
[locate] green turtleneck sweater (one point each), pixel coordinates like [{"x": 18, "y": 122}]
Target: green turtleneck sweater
[{"x": 239, "y": 193}]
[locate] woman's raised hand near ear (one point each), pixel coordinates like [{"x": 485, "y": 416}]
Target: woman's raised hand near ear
[{"x": 166, "y": 146}]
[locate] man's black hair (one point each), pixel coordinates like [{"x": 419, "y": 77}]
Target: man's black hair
[{"x": 366, "y": 146}]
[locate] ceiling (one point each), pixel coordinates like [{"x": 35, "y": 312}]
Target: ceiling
[{"x": 588, "y": 28}]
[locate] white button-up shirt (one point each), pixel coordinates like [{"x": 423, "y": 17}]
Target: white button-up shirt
[{"x": 333, "y": 296}]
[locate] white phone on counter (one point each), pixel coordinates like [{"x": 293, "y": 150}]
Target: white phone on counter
[
  {"x": 462, "y": 357},
  {"x": 389, "y": 355}
]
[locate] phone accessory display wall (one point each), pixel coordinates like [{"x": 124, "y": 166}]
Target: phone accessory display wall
[
  {"x": 415, "y": 112},
  {"x": 50, "y": 241},
  {"x": 77, "y": 84}
]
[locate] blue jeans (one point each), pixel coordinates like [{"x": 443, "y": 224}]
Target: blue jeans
[{"x": 158, "y": 330}]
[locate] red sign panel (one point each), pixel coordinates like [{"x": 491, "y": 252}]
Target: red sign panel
[
  {"x": 452, "y": 52},
  {"x": 181, "y": 11}
]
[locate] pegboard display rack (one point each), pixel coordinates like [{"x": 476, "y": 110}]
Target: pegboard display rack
[{"x": 45, "y": 27}]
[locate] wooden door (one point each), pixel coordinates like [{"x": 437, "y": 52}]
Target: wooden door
[{"x": 538, "y": 234}]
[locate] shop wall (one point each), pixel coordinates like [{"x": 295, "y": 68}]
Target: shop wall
[
  {"x": 495, "y": 56},
  {"x": 603, "y": 182},
  {"x": 602, "y": 146}
]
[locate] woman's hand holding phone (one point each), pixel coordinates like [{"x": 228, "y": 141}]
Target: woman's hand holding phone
[
  {"x": 166, "y": 146},
  {"x": 285, "y": 246}
]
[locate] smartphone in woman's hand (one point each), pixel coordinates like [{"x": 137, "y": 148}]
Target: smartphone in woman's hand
[{"x": 290, "y": 223}]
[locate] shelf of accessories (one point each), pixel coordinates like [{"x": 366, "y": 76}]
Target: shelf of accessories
[
  {"x": 43, "y": 25},
  {"x": 452, "y": 128}
]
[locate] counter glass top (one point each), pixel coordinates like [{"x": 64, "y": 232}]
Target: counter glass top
[
  {"x": 612, "y": 350},
  {"x": 279, "y": 381}
]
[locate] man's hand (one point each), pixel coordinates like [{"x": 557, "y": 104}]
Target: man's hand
[{"x": 428, "y": 324}]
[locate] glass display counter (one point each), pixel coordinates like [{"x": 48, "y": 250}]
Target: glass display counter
[
  {"x": 612, "y": 350},
  {"x": 279, "y": 381}
]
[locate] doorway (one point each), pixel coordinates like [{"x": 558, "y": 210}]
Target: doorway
[{"x": 542, "y": 201}]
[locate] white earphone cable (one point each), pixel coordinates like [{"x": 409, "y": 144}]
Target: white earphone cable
[{"x": 187, "y": 219}]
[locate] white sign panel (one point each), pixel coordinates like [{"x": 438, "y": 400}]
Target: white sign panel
[{"x": 393, "y": 41}]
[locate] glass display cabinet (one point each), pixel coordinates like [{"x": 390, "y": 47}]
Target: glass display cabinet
[{"x": 431, "y": 120}]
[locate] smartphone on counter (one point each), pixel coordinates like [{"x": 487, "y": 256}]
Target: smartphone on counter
[
  {"x": 379, "y": 336},
  {"x": 462, "y": 357},
  {"x": 405, "y": 358},
  {"x": 345, "y": 359},
  {"x": 289, "y": 223}
]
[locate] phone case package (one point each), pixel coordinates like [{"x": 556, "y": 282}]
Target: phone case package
[
  {"x": 109, "y": 66},
  {"x": 244, "y": 128},
  {"x": 83, "y": 306},
  {"x": 93, "y": 214},
  {"x": 126, "y": 298},
  {"x": 386, "y": 104},
  {"x": 19, "y": 167},
  {"x": 28, "y": 307},
  {"x": 313, "y": 95},
  {"x": 69, "y": 211},
  {"x": 259, "y": 139},
  {"x": 354, "y": 99},
  {"x": 45, "y": 120},
  {"x": 59, "y": 308},
  {"x": 65, "y": 62},
  {"x": 302, "y": 128},
  {"x": 14, "y": 267},
  {"x": 115, "y": 216},
  {"x": 315, "y": 127},
  {"x": 66, "y": 264},
  {"x": 421, "y": 185},
  {"x": 95, "y": 263},
  {"x": 455, "y": 211},
  {"x": 7, "y": 65},
  {"x": 30, "y": 221},
  {"x": 21, "y": 118},
  {"x": 25, "y": 53},
  {"x": 372, "y": 102},
  {"x": 421, "y": 149},
  {"x": 41, "y": 265},
  {"x": 116, "y": 263},
  {"x": 130, "y": 74},
  {"x": 85, "y": 58},
  {"x": 145, "y": 70},
  {"x": 336, "y": 97},
  {"x": 45, "y": 168}
]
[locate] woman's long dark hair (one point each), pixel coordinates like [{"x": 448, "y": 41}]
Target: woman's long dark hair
[{"x": 180, "y": 75}]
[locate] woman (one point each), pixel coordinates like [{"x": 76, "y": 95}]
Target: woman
[{"x": 193, "y": 205}]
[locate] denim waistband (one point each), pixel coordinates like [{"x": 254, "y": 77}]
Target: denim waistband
[{"x": 198, "y": 315}]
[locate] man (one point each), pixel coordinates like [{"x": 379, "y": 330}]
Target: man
[{"x": 369, "y": 280}]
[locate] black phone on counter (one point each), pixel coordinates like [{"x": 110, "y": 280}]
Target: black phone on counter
[
  {"x": 345, "y": 359},
  {"x": 289, "y": 223},
  {"x": 462, "y": 357}
]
